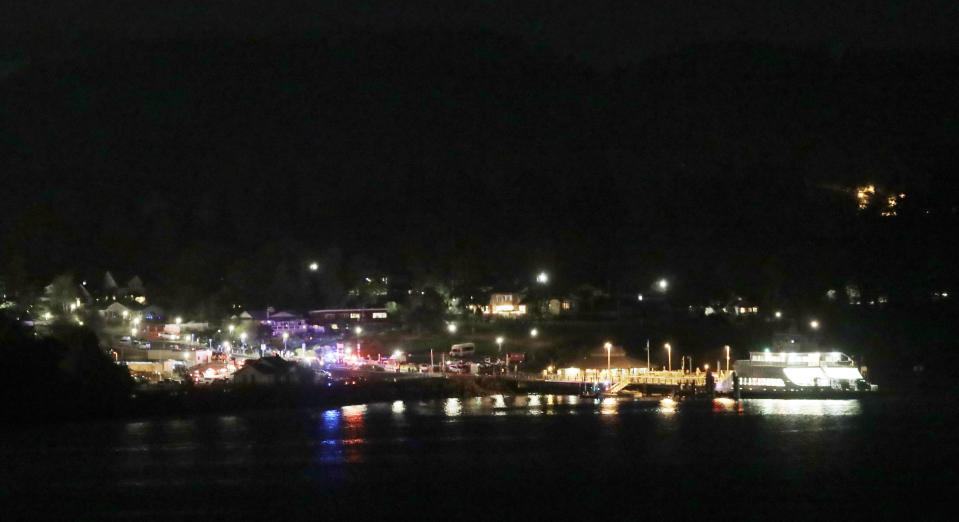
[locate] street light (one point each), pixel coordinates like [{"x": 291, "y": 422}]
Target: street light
[
  {"x": 451, "y": 327},
  {"x": 314, "y": 266},
  {"x": 499, "y": 343},
  {"x": 534, "y": 332},
  {"x": 663, "y": 284},
  {"x": 814, "y": 324},
  {"x": 133, "y": 331},
  {"x": 243, "y": 341},
  {"x": 230, "y": 328},
  {"x": 285, "y": 337},
  {"x": 542, "y": 278},
  {"x": 358, "y": 330},
  {"x": 178, "y": 320},
  {"x": 727, "y": 358},
  {"x": 609, "y": 351},
  {"x": 779, "y": 314},
  {"x": 669, "y": 355}
]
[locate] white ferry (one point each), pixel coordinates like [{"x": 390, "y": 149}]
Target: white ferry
[{"x": 790, "y": 371}]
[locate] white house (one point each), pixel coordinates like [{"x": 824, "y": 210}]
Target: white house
[{"x": 269, "y": 371}]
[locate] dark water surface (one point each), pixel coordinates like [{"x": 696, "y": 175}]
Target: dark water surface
[{"x": 498, "y": 457}]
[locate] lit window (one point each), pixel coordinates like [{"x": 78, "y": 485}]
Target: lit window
[
  {"x": 379, "y": 315},
  {"x": 354, "y": 315}
]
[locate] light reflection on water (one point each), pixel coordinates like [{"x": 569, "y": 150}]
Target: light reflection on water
[
  {"x": 667, "y": 406},
  {"x": 815, "y": 407},
  {"x": 453, "y": 407},
  {"x": 352, "y": 418},
  {"x": 331, "y": 420},
  {"x": 609, "y": 406}
]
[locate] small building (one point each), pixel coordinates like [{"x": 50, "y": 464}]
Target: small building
[
  {"x": 340, "y": 318},
  {"x": 117, "y": 310},
  {"x": 593, "y": 365},
  {"x": 558, "y": 305},
  {"x": 282, "y": 322},
  {"x": 269, "y": 371},
  {"x": 505, "y": 304}
]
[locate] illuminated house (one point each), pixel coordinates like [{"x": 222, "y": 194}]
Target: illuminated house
[
  {"x": 280, "y": 322},
  {"x": 340, "y": 318},
  {"x": 505, "y": 305},
  {"x": 132, "y": 291}
]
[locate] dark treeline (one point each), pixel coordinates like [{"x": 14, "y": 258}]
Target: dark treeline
[
  {"x": 219, "y": 167},
  {"x": 65, "y": 375}
]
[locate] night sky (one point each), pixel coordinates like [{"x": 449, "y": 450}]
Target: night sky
[{"x": 612, "y": 144}]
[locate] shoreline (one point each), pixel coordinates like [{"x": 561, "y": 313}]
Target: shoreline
[{"x": 185, "y": 400}]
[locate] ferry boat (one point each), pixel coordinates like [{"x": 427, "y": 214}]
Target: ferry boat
[{"x": 789, "y": 370}]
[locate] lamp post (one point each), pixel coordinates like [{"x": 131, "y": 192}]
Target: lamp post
[
  {"x": 669, "y": 356},
  {"x": 285, "y": 337},
  {"x": 647, "y": 359},
  {"x": 243, "y": 341},
  {"x": 358, "y": 330},
  {"x": 499, "y": 344},
  {"x": 727, "y": 358},
  {"x": 609, "y": 351}
]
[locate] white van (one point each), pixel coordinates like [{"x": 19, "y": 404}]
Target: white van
[{"x": 458, "y": 350}]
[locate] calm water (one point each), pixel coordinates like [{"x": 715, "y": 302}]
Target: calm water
[{"x": 495, "y": 457}]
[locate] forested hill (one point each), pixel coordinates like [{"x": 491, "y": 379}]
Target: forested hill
[{"x": 476, "y": 154}]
